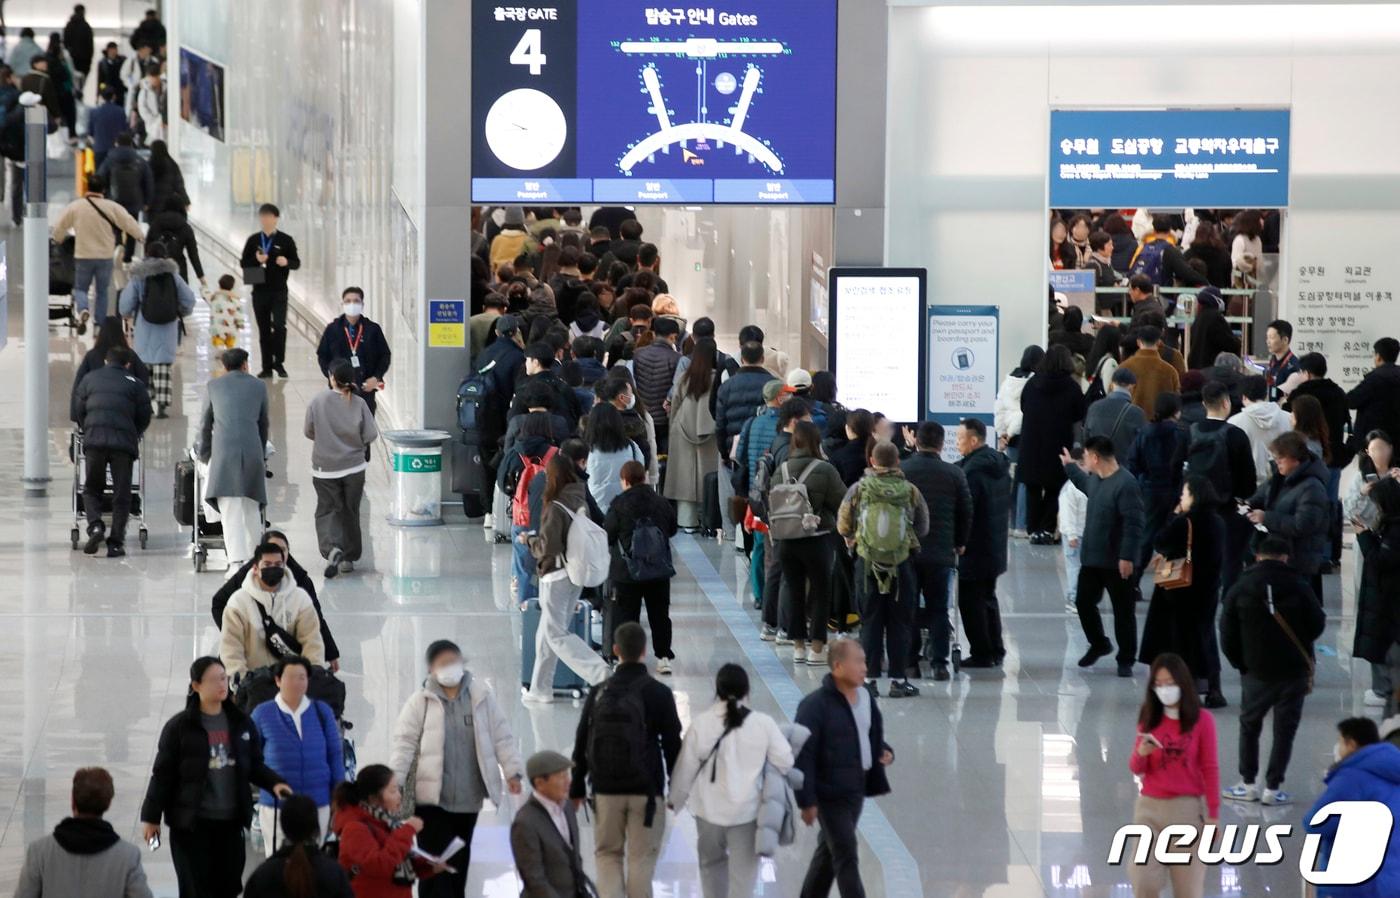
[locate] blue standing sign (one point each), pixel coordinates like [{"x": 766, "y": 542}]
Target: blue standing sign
[{"x": 1171, "y": 158}]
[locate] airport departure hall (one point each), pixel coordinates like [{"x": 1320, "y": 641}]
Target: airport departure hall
[{"x": 572, "y": 448}]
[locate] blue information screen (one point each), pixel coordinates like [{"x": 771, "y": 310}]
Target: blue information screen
[
  {"x": 1168, "y": 158},
  {"x": 629, "y": 101}
]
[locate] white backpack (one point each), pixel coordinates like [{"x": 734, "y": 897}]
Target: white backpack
[{"x": 586, "y": 556}]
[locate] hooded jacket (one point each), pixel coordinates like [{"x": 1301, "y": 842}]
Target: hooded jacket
[
  {"x": 1250, "y": 637},
  {"x": 156, "y": 344},
  {"x": 627, "y": 510},
  {"x": 371, "y": 852},
  {"x": 83, "y": 856},
  {"x": 181, "y": 767},
  {"x": 1371, "y": 773},
  {"x": 93, "y": 235},
  {"x": 1262, "y": 422},
  {"x": 1333, "y": 400},
  {"x": 1297, "y": 507},
  {"x": 755, "y": 438},
  {"x": 1008, "y": 405},
  {"x": 242, "y": 641},
  {"x": 298, "y": 574},
  {"x": 112, "y": 408},
  {"x": 173, "y": 229},
  {"x": 421, "y": 729},
  {"x": 989, "y": 484},
  {"x": 777, "y": 809}
]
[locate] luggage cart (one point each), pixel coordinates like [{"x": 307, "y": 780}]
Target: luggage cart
[
  {"x": 138, "y": 492},
  {"x": 204, "y": 534}
]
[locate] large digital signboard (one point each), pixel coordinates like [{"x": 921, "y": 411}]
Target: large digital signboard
[
  {"x": 877, "y": 339},
  {"x": 1171, "y": 158},
  {"x": 615, "y": 101}
]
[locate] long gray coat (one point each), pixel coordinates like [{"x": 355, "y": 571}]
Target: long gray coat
[
  {"x": 694, "y": 451},
  {"x": 232, "y": 437},
  {"x": 156, "y": 344}
]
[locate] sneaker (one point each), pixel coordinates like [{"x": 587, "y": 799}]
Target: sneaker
[
  {"x": 96, "y": 536},
  {"x": 940, "y": 672},
  {"x": 904, "y": 689},
  {"x": 1071, "y": 608},
  {"x": 1019, "y": 534},
  {"x": 333, "y": 563},
  {"x": 1094, "y": 654},
  {"x": 782, "y": 639},
  {"x": 1125, "y": 671},
  {"x": 116, "y": 550},
  {"x": 281, "y": 372},
  {"x": 346, "y": 566},
  {"x": 816, "y": 658},
  {"x": 161, "y": 410},
  {"x": 1241, "y": 791},
  {"x": 1275, "y": 797},
  {"x": 530, "y": 698},
  {"x": 663, "y": 666},
  {"x": 265, "y": 374},
  {"x": 979, "y": 663},
  {"x": 768, "y": 634},
  {"x": 82, "y": 322},
  {"x": 1214, "y": 700},
  {"x": 1373, "y": 699}
]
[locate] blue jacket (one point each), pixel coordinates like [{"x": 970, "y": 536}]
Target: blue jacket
[
  {"x": 156, "y": 344},
  {"x": 312, "y": 765},
  {"x": 758, "y": 434},
  {"x": 104, "y": 124},
  {"x": 1371, "y": 773}
]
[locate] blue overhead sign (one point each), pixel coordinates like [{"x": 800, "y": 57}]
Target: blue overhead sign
[{"x": 1168, "y": 158}]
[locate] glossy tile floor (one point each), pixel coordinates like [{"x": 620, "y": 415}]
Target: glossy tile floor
[{"x": 1006, "y": 784}]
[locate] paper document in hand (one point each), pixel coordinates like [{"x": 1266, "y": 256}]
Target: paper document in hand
[{"x": 452, "y": 848}]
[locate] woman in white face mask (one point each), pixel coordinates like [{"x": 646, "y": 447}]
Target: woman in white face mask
[
  {"x": 1174, "y": 756},
  {"x": 465, "y": 753}
]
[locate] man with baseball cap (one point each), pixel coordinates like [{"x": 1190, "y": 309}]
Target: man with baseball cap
[{"x": 544, "y": 836}]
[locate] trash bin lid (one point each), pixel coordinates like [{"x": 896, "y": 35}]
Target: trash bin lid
[{"x": 422, "y": 439}]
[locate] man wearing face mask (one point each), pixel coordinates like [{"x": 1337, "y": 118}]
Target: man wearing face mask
[
  {"x": 269, "y": 618},
  {"x": 359, "y": 341},
  {"x": 466, "y": 753}
]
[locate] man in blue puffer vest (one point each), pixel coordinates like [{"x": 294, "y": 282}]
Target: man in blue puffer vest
[{"x": 299, "y": 733}]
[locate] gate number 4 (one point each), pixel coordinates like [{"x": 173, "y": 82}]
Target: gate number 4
[{"x": 528, "y": 52}]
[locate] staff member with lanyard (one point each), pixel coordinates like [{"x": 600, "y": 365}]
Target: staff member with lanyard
[
  {"x": 268, "y": 257},
  {"x": 359, "y": 341}
]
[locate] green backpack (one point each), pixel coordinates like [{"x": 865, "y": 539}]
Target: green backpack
[{"x": 885, "y": 533}]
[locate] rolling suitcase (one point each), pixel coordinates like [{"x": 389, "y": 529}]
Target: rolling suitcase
[
  {"x": 710, "y": 521},
  {"x": 565, "y": 680},
  {"x": 184, "y": 492},
  {"x": 500, "y": 515}
]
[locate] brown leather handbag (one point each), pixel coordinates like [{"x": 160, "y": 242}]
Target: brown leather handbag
[{"x": 1175, "y": 573}]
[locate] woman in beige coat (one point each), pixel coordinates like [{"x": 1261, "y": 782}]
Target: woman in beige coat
[
  {"x": 461, "y": 742},
  {"x": 694, "y": 452}
]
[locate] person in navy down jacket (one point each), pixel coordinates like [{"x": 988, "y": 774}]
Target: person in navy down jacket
[
  {"x": 301, "y": 740},
  {"x": 1366, "y": 769},
  {"x": 842, "y": 764}
]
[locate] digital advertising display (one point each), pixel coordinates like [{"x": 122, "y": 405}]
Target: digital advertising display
[
  {"x": 611, "y": 101},
  {"x": 877, "y": 339},
  {"x": 202, "y": 93},
  {"x": 1172, "y": 158}
]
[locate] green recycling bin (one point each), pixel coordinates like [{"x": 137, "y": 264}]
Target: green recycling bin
[{"x": 416, "y": 472}]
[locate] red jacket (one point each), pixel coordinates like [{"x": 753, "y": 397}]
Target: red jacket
[{"x": 370, "y": 851}]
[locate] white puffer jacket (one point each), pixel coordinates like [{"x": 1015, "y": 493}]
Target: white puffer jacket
[
  {"x": 420, "y": 731},
  {"x": 1008, "y": 406}
]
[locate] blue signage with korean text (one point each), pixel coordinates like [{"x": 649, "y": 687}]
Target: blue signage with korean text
[{"x": 1171, "y": 158}]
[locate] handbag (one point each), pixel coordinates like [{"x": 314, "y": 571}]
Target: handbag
[
  {"x": 1293, "y": 638},
  {"x": 279, "y": 642},
  {"x": 1175, "y": 573}
]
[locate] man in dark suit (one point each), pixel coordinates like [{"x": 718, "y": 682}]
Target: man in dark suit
[
  {"x": 544, "y": 836},
  {"x": 269, "y": 256}
]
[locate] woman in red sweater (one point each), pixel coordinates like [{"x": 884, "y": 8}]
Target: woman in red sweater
[
  {"x": 374, "y": 847},
  {"x": 1174, "y": 757}
]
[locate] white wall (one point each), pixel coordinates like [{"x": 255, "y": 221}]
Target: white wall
[{"x": 970, "y": 89}]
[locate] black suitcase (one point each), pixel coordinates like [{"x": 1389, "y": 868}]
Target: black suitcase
[
  {"x": 62, "y": 267},
  {"x": 468, "y": 471},
  {"x": 710, "y": 520},
  {"x": 184, "y": 492}
]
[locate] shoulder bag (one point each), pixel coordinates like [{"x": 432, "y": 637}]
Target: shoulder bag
[
  {"x": 280, "y": 643},
  {"x": 1175, "y": 573},
  {"x": 1293, "y": 638}
]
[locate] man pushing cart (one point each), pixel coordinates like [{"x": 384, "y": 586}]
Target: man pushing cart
[{"x": 112, "y": 409}]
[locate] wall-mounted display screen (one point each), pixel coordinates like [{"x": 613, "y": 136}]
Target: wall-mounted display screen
[
  {"x": 202, "y": 93},
  {"x": 1173, "y": 158},
  {"x": 626, "y": 101},
  {"x": 877, "y": 341}
]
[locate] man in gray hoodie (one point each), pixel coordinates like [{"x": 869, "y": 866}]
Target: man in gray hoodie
[{"x": 84, "y": 855}]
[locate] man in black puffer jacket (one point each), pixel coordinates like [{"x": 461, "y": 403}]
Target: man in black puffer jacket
[
  {"x": 945, "y": 490},
  {"x": 740, "y": 397},
  {"x": 988, "y": 474},
  {"x": 1293, "y": 504},
  {"x": 653, "y": 369},
  {"x": 112, "y": 408}
]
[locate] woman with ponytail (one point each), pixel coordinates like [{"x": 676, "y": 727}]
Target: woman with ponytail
[
  {"x": 373, "y": 845},
  {"x": 298, "y": 869},
  {"x": 720, "y": 771}
]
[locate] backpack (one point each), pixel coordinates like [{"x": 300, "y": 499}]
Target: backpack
[
  {"x": 472, "y": 396},
  {"x": 649, "y": 555},
  {"x": 790, "y": 513},
  {"x": 885, "y": 533},
  {"x": 1209, "y": 455},
  {"x": 520, "y": 501},
  {"x": 758, "y": 489},
  {"x": 124, "y": 185},
  {"x": 586, "y": 554},
  {"x": 620, "y": 754},
  {"x": 161, "y": 302},
  {"x": 1149, "y": 260}
]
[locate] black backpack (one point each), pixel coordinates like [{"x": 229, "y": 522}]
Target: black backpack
[
  {"x": 473, "y": 394},
  {"x": 161, "y": 304},
  {"x": 620, "y": 755},
  {"x": 649, "y": 555},
  {"x": 124, "y": 185},
  {"x": 1209, "y": 455}
]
